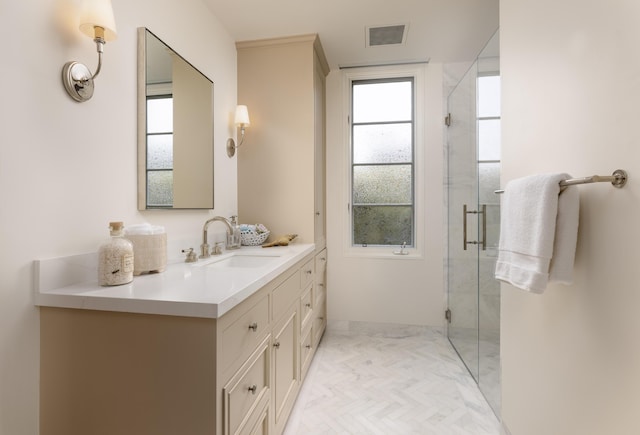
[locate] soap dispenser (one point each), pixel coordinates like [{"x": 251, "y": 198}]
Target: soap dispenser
[{"x": 233, "y": 237}]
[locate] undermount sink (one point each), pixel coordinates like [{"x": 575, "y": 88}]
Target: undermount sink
[{"x": 242, "y": 261}]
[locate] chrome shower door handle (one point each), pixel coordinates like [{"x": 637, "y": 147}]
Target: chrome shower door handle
[
  {"x": 484, "y": 226},
  {"x": 483, "y": 212},
  {"x": 464, "y": 226}
]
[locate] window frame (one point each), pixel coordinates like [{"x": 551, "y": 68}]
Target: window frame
[{"x": 390, "y": 73}]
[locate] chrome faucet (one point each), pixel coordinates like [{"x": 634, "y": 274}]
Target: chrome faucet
[{"x": 204, "y": 248}]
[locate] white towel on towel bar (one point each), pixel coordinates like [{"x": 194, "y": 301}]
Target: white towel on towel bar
[{"x": 538, "y": 232}]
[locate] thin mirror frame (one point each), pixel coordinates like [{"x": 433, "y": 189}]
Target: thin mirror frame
[{"x": 142, "y": 128}]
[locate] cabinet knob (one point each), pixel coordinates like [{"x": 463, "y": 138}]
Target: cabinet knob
[
  {"x": 253, "y": 389},
  {"x": 308, "y": 272},
  {"x": 308, "y": 346},
  {"x": 276, "y": 345},
  {"x": 308, "y": 305},
  {"x": 253, "y": 327}
]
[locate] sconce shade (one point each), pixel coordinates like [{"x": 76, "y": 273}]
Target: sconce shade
[
  {"x": 242, "y": 116},
  {"x": 242, "y": 121},
  {"x": 98, "y": 13}
]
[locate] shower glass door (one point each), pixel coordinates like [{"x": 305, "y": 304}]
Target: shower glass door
[
  {"x": 462, "y": 200},
  {"x": 473, "y": 156}
]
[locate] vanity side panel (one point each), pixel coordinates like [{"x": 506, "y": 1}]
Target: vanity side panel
[{"x": 128, "y": 374}]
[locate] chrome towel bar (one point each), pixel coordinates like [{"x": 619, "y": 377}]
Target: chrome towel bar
[{"x": 617, "y": 179}]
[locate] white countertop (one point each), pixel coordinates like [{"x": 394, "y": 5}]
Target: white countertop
[{"x": 183, "y": 289}]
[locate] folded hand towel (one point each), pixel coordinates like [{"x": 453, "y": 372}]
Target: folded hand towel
[{"x": 538, "y": 232}]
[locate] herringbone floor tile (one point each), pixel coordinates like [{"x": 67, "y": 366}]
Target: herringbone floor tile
[{"x": 369, "y": 380}]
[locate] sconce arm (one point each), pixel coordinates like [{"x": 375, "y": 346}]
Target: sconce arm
[
  {"x": 241, "y": 137},
  {"x": 100, "y": 48}
]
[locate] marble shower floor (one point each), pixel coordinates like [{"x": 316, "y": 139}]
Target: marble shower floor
[{"x": 369, "y": 379}]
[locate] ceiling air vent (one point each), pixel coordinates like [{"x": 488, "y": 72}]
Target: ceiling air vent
[{"x": 386, "y": 35}]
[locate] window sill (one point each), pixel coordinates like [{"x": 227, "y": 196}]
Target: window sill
[{"x": 384, "y": 253}]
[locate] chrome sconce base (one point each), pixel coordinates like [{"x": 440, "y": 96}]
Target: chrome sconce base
[
  {"x": 231, "y": 147},
  {"x": 78, "y": 81}
]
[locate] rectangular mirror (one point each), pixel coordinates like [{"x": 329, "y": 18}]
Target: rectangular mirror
[{"x": 175, "y": 129}]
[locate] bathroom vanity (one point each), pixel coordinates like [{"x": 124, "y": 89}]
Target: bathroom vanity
[{"x": 215, "y": 347}]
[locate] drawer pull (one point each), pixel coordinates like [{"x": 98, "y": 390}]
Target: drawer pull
[
  {"x": 253, "y": 389},
  {"x": 320, "y": 284},
  {"x": 308, "y": 305},
  {"x": 276, "y": 345},
  {"x": 253, "y": 327},
  {"x": 308, "y": 272},
  {"x": 308, "y": 346}
]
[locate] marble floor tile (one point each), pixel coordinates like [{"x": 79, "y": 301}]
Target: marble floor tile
[{"x": 372, "y": 379}]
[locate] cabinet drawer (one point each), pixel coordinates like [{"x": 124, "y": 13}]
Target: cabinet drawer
[
  {"x": 319, "y": 321},
  {"x": 320, "y": 296},
  {"x": 285, "y": 294},
  {"x": 321, "y": 262},
  {"x": 246, "y": 390},
  {"x": 319, "y": 285},
  {"x": 306, "y": 307},
  {"x": 307, "y": 272},
  {"x": 306, "y": 352},
  {"x": 245, "y": 333},
  {"x": 286, "y": 370}
]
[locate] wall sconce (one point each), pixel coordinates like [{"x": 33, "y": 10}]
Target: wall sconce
[
  {"x": 97, "y": 22},
  {"x": 241, "y": 121}
]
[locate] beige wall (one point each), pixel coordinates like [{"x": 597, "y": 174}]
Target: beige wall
[
  {"x": 67, "y": 169},
  {"x": 280, "y": 138},
  {"x": 571, "y": 92},
  {"x": 392, "y": 290}
]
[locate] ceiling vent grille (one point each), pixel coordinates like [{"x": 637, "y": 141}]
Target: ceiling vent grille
[{"x": 386, "y": 35}]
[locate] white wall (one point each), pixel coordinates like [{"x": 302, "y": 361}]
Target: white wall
[
  {"x": 571, "y": 93},
  {"x": 400, "y": 291},
  {"x": 67, "y": 169}
]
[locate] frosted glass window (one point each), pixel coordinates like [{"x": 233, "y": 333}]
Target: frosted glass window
[
  {"x": 382, "y": 139},
  {"x": 383, "y": 225},
  {"x": 160, "y": 188},
  {"x": 160, "y": 151},
  {"x": 489, "y": 139},
  {"x": 382, "y": 101},
  {"x": 382, "y": 184},
  {"x": 159, "y": 115},
  {"x": 489, "y": 96},
  {"x": 382, "y": 143},
  {"x": 489, "y": 182}
]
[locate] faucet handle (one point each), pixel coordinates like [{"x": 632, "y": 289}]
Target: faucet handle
[
  {"x": 191, "y": 255},
  {"x": 217, "y": 249}
]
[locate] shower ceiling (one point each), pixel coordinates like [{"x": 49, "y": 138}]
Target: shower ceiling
[{"x": 438, "y": 30}]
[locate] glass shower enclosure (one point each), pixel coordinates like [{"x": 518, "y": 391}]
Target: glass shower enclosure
[{"x": 473, "y": 214}]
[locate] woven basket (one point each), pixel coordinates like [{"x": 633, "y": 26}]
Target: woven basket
[{"x": 253, "y": 235}]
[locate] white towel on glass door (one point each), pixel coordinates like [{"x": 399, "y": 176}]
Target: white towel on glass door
[{"x": 538, "y": 232}]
